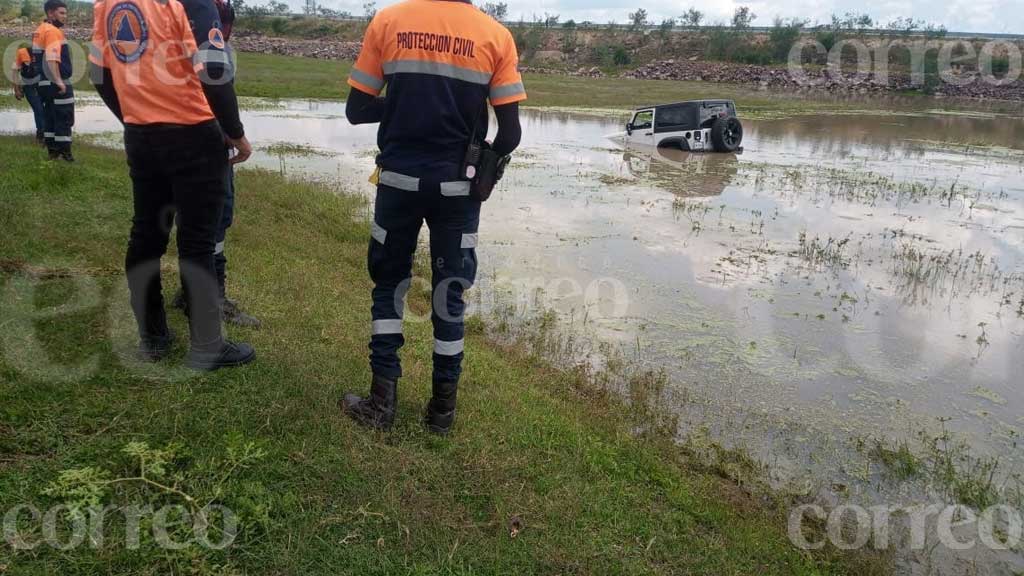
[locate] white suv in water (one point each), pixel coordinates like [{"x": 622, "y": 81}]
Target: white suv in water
[{"x": 697, "y": 126}]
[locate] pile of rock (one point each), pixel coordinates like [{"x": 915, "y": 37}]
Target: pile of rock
[
  {"x": 23, "y": 30},
  {"x": 323, "y": 48},
  {"x": 583, "y": 72},
  {"x": 243, "y": 41}
]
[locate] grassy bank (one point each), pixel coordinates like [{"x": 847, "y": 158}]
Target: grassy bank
[
  {"x": 274, "y": 76},
  {"x": 542, "y": 475}
]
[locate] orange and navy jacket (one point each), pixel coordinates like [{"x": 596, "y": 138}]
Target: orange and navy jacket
[
  {"x": 50, "y": 45},
  {"x": 441, "y": 61},
  {"x": 150, "y": 48},
  {"x": 23, "y": 64}
]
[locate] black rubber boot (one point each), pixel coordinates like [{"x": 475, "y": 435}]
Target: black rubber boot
[
  {"x": 153, "y": 348},
  {"x": 179, "y": 301},
  {"x": 231, "y": 312},
  {"x": 228, "y": 355},
  {"x": 234, "y": 315},
  {"x": 67, "y": 157},
  {"x": 440, "y": 414},
  {"x": 378, "y": 410}
]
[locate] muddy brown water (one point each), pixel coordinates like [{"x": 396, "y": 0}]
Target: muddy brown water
[{"x": 848, "y": 277}]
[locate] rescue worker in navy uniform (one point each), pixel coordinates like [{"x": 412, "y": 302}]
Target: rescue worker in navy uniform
[
  {"x": 162, "y": 69},
  {"x": 51, "y": 57},
  {"x": 441, "y": 62},
  {"x": 231, "y": 311},
  {"x": 26, "y": 85}
]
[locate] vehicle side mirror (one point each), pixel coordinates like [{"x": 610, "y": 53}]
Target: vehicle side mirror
[{"x": 629, "y": 128}]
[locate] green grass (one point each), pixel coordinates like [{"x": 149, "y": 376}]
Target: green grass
[
  {"x": 316, "y": 494},
  {"x": 275, "y": 76}
]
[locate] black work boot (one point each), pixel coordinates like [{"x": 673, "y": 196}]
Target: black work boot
[
  {"x": 67, "y": 157},
  {"x": 179, "y": 301},
  {"x": 378, "y": 410},
  {"x": 155, "y": 347},
  {"x": 440, "y": 414},
  {"x": 234, "y": 315},
  {"x": 52, "y": 154},
  {"x": 227, "y": 355}
]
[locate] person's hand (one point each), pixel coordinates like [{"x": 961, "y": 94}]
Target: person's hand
[
  {"x": 243, "y": 149},
  {"x": 17, "y": 92},
  {"x": 61, "y": 88}
]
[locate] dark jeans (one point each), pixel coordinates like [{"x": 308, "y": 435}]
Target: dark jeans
[
  {"x": 176, "y": 169},
  {"x": 220, "y": 260},
  {"x": 34, "y": 100}
]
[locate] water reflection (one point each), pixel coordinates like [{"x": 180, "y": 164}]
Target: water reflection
[{"x": 685, "y": 174}]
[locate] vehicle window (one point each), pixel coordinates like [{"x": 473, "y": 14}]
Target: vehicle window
[
  {"x": 643, "y": 119},
  {"x": 676, "y": 116},
  {"x": 673, "y": 116}
]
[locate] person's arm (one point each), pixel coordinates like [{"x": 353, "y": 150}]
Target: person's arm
[
  {"x": 52, "y": 48},
  {"x": 510, "y": 132},
  {"x": 17, "y": 79},
  {"x": 99, "y": 73},
  {"x": 54, "y": 66},
  {"x": 101, "y": 78},
  {"x": 505, "y": 95},
  {"x": 204, "y": 39},
  {"x": 363, "y": 108},
  {"x": 364, "y": 105}
]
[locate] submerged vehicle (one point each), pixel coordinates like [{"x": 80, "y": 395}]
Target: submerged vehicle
[{"x": 693, "y": 126}]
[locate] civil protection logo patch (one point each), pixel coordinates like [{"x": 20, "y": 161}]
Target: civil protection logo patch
[
  {"x": 216, "y": 38},
  {"x": 127, "y": 32}
]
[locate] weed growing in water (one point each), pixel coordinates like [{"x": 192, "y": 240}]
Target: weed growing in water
[
  {"x": 831, "y": 252},
  {"x": 967, "y": 479},
  {"x": 899, "y": 460}
]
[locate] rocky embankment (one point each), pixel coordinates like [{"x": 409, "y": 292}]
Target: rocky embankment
[
  {"x": 763, "y": 77},
  {"x": 813, "y": 78},
  {"x": 322, "y": 48},
  {"x": 242, "y": 40}
]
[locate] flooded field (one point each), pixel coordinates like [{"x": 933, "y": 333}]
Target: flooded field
[{"x": 849, "y": 288}]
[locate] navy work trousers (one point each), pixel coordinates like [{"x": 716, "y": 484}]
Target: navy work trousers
[
  {"x": 35, "y": 100},
  {"x": 58, "y": 116},
  {"x": 453, "y": 222}
]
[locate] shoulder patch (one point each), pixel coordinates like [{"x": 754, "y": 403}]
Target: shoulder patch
[
  {"x": 127, "y": 31},
  {"x": 216, "y": 38}
]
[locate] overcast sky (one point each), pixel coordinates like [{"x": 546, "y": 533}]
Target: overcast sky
[{"x": 1002, "y": 16}]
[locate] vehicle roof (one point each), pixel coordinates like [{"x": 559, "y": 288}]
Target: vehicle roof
[{"x": 705, "y": 101}]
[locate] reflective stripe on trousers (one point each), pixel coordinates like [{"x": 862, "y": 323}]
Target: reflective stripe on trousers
[
  {"x": 58, "y": 116},
  {"x": 398, "y": 216}
]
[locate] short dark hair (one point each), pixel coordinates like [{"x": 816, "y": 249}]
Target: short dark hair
[{"x": 52, "y": 5}]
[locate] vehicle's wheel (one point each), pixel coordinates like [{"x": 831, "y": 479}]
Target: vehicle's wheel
[{"x": 726, "y": 134}]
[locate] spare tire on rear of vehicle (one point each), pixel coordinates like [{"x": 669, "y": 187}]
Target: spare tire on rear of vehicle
[{"x": 726, "y": 134}]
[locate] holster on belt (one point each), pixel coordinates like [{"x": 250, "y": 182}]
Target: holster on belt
[{"x": 484, "y": 168}]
